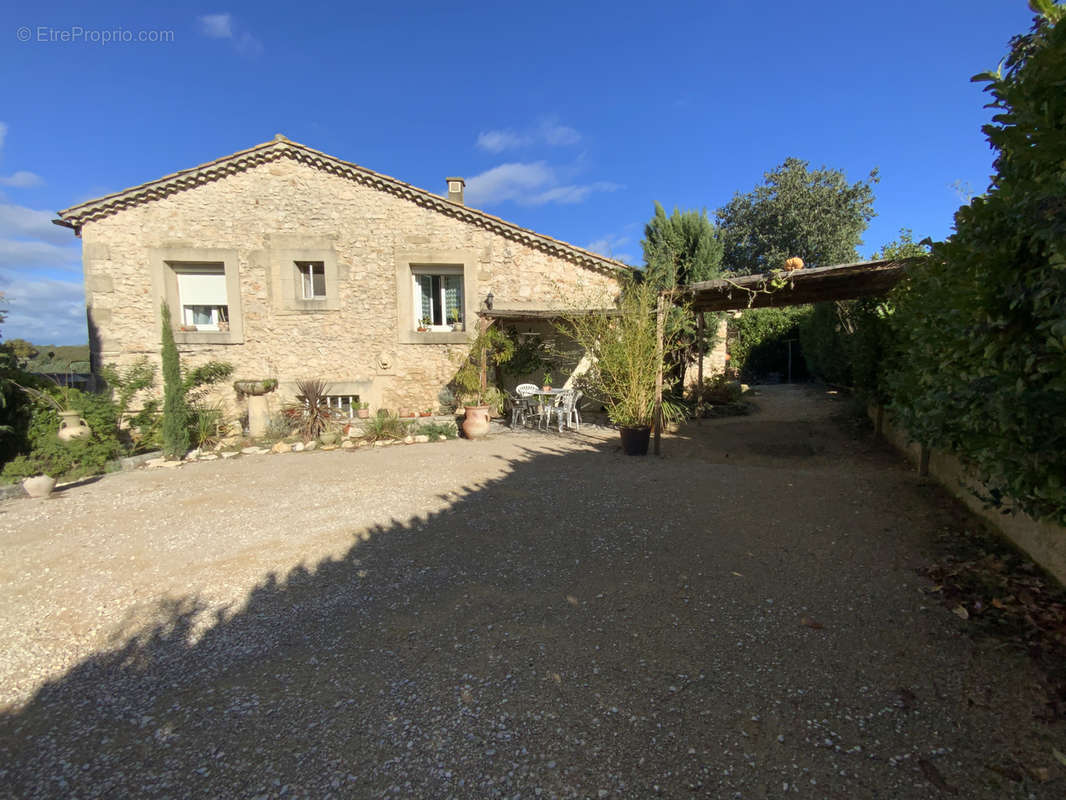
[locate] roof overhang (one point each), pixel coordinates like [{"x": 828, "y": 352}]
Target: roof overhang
[
  {"x": 775, "y": 289},
  {"x": 281, "y": 148}
]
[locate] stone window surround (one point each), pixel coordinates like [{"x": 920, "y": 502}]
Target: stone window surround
[
  {"x": 405, "y": 311},
  {"x": 284, "y": 250},
  {"x": 162, "y": 262}
]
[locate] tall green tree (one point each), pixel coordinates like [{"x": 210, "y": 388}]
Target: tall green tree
[
  {"x": 681, "y": 248},
  {"x": 814, "y": 214},
  {"x": 175, "y": 409}
]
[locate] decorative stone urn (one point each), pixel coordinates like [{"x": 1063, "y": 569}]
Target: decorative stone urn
[
  {"x": 72, "y": 426},
  {"x": 258, "y": 413},
  {"x": 39, "y": 485},
  {"x": 794, "y": 263}
]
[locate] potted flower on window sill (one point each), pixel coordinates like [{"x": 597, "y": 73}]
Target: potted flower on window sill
[
  {"x": 363, "y": 412},
  {"x": 453, "y": 319},
  {"x": 423, "y": 325},
  {"x": 187, "y": 328},
  {"x": 426, "y": 413}
]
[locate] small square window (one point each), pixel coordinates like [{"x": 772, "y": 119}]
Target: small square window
[{"x": 312, "y": 279}]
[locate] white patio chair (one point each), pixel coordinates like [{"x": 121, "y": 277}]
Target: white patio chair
[
  {"x": 570, "y": 411},
  {"x": 525, "y": 389}
]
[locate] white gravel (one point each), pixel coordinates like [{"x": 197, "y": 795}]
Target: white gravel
[{"x": 525, "y": 616}]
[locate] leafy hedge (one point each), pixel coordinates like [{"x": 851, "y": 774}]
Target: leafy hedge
[
  {"x": 980, "y": 366},
  {"x": 757, "y": 340}
]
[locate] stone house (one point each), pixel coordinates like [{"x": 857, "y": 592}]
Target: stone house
[{"x": 289, "y": 263}]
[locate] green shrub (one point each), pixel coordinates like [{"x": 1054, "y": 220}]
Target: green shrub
[
  {"x": 758, "y": 340},
  {"x": 438, "y": 430},
  {"x": 979, "y": 364},
  {"x": 385, "y": 426},
  {"x": 73, "y": 459}
]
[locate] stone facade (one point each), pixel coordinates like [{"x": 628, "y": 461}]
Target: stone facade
[{"x": 259, "y": 219}]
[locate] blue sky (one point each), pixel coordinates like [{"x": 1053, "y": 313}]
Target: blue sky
[{"x": 569, "y": 118}]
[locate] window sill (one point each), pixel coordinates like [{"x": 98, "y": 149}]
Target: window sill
[
  {"x": 434, "y": 337},
  {"x": 206, "y": 337}
]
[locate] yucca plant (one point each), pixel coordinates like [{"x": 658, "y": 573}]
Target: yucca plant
[{"x": 312, "y": 415}]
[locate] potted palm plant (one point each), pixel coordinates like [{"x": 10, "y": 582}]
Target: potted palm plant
[
  {"x": 625, "y": 362},
  {"x": 490, "y": 346}
]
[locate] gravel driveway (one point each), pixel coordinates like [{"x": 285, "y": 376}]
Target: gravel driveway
[{"x": 524, "y": 616}]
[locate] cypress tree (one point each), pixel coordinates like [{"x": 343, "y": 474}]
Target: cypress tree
[{"x": 175, "y": 412}]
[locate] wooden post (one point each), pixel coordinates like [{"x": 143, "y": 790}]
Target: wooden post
[
  {"x": 699, "y": 364},
  {"x": 659, "y": 334},
  {"x": 484, "y": 325},
  {"x": 923, "y": 461}
]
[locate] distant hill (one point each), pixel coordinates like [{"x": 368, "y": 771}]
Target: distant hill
[{"x": 59, "y": 359}]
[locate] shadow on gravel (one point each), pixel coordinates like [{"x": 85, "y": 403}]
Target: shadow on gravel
[{"x": 552, "y": 630}]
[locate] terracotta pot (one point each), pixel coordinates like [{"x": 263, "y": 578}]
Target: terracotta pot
[
  {"x": 476, "y": 422},
  {"x": 362, "y": 413},
  {"x": 635, "y": 441},
  {"x": 72, "y": 426},
  {"x": 546, "y": 388},
  {"x": 39, "y": 485},
  {"x": 425, "y": 414}
]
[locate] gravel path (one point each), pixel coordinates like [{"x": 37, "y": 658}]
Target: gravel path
[{"x": 523, "y": 616}]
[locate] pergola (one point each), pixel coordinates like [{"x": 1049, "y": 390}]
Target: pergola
[
  {"x": 775, "y": 290},
  {"x": 764, "y": 290}
]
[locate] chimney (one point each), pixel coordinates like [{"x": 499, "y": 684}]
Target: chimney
[{"x": 455, "y": 189}]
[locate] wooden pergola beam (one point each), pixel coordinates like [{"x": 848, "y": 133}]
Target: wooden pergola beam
[{"x": 840, "y": 282}]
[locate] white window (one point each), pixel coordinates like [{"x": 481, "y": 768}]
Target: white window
[
  {"x": 438, "y": 297},
  {"x": 202, "y": 296},
  {"x": 344, "y": 405},
  {"x": 312, "y": 279}
]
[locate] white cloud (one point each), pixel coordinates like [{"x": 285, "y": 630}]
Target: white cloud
[
  {"x": 44, "y": 310},
  {"x": 613, "y": 246},
  {"x": 21, "y": 180},
  {"x": 547, "y": 132},
  {"x": 529, "y": 184},
  {"x": 220, "y": 26},
  {"x": 217, "y": 26},
  {"x": 21, "y": 222},
  {"x": 508, "y": 182},
  {"x": 559, "y": 135},
  {"x": 498, "y": 141}
]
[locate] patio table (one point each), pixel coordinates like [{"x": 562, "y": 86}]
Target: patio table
[{"x": 548, "y": 401}]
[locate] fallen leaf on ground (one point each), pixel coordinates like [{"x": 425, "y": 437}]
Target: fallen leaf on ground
[
  {"x": 1058, "y": 756},
  {"x": 572, "y": 600},
  {"x": 810, "y": 623},
  {"x": 998, "y": 603},
  {"x": 738, "y": 574},
  {"x": 932, "y": 774},
  {"x": 960, "y": 612}
]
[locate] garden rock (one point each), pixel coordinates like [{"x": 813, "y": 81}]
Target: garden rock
[
  {"x": 298, "y": 447},
  {"x": 347, "y": 444},
  {"x": 281, "y": 447},
  {"x": 311, "y": 445},
  {"x": 421, "y": 438}
]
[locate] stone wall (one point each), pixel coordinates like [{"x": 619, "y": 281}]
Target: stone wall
[{"x": 258, "y": 221}]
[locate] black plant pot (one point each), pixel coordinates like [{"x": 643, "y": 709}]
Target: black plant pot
[{"x": 635, "y": 441}]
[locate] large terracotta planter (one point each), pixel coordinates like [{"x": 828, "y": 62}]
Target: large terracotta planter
[
  {"x": 39, "y": 485},
  {"x": 635, "y": 441},
  {"x": 476, "y": 422},
  {"x": 72, "y": 426}
]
